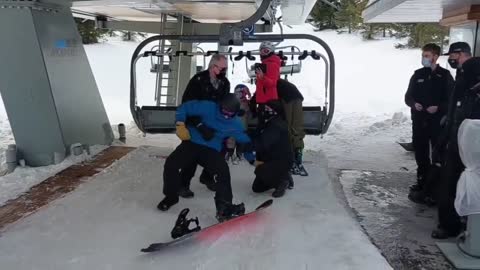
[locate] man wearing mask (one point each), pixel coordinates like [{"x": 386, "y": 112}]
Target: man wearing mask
[
  {"x": 427, "y": 96},
  {"x": 211, "y": 84},
  {"x": 463, "y": 104}
]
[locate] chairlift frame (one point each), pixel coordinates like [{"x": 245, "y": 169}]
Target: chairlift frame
[{"x": 160, "y": 119}]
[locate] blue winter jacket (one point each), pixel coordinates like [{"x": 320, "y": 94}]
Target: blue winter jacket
[{"x": 212, "y": 117}]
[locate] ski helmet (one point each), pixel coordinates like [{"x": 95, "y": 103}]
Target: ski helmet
[
  {"x": 230, "y": 105},
  {"x": 241, "y": 91}
]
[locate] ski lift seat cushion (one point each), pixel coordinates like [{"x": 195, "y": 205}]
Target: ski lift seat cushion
[{"x": 158, "y": 119}]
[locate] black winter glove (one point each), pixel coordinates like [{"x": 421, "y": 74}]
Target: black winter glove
[
  {"x": 241, "y": 113},
  {"x": 193, "y": 121},
  {"x": 206, "y": 132}
]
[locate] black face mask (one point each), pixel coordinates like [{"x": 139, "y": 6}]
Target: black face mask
[
  {"x": 453, "y": 63},
  {"x": 222, "y": 74}
]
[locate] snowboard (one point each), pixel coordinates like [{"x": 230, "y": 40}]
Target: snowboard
[
  {"x": 408, "y": 146},
  {"x": 205, "y": 232}
]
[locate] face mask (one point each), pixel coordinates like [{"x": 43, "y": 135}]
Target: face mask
[
  {"x": 222, "y": 74},
  {"x": 426, "y": 62},
  {"x": 453, "y": 63}
]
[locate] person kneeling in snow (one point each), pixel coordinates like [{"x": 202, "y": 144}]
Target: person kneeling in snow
[
  {"x": 274, "y": 153},
  {"x": 223, "y": 120}
]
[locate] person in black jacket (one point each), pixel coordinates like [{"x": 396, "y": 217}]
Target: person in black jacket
[
  {"x": 427, "y": 96},
  {"x": 292, "y": 112},
  {"x": 274, "y": 155},
  {"x": 211, "y": 84},
  {"x": 463, "y": 104}
]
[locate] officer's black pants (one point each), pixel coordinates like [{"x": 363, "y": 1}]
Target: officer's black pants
[
  {"x": 426, "y": 130},
  {"x": 188, "y": 153},
  {"x": 447, "y": 215}
]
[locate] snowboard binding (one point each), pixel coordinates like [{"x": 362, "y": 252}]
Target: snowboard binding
[{"x": 182, "y": 225}]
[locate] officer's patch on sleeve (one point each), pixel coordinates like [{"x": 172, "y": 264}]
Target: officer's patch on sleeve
[{"x": 420, "y": 80}]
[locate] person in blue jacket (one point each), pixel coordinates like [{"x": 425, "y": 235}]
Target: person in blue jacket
[{"x": 223, "y": 120}]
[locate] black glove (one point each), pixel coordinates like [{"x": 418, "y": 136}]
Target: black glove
[
  {"x": 193, "y": 121},
  {"x": 196, "y": 121},
  {"x": 206, "y": 132},
  {"x": 241, "y": 113}
]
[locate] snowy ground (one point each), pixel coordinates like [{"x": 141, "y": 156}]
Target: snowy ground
[
  {"x": 104, "y": 224},
  {"x": 370, "y": 117}
]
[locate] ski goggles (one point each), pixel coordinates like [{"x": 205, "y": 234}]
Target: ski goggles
[{"x": 228, "y": 113}]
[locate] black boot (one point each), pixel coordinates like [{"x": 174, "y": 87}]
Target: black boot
[
  {"x": 291, "y": 184},
  {"x": 421, "y": 176},
  {"x": 415, "y": 187},
  {"x": 209, "y": 182},
  {"x": 185, "y": 192},
  {"x": 281, "y": 189},
  {"x": 299, "y": 169},
  {"x": 226, "y": 211},
  {"x": 166, "y": 203},
  {"x": 441, "y": 233}
]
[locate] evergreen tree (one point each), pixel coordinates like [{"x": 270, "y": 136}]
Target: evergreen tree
[
  {"x": 323, "y": 15},
  {"x": 132, "y": 36},
  {"x": 370, "y": 31},
  {"x": 349, "y": 14},
  {"x": 89, "y": 33},
  {"x": 421, "y": 34}
]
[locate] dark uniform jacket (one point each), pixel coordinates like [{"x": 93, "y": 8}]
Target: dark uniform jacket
[
  {"x": 429, "y": 88},
  {"x": 465, "y": 101}
]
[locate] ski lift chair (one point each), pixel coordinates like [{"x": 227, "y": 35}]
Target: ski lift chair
[{"x": 161, "y": 119}]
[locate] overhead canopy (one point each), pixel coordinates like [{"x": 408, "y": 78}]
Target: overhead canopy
[
  {"x": 414, "y": 11},
  {"x": 205, "y": 11}
]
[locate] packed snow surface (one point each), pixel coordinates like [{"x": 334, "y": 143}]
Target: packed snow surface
[{"x": 105, "y": 223}]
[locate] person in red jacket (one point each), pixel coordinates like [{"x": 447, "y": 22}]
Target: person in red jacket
[{"x": 266, "y": 85}]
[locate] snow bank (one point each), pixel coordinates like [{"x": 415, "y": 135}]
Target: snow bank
[{"x": 20, "y": 181}]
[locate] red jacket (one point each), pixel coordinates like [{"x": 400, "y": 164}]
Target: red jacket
[{"x": 267, "y": 87}]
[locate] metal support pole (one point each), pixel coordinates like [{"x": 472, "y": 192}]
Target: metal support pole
[
  {"x": 159, "y": 79},
  {"x": 179, "y": 70}
]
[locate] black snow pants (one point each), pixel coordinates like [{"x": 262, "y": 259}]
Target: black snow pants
[
  {"x": 189, "y": 172},
  {"x": 448, "y": 218},
  {"x": 188, "y": 153},
  {"x": 270, "y": 174},
  {"x": 426, "y": 130}
]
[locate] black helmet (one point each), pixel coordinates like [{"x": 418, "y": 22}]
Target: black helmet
[{"x": 230, "y": 105}]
